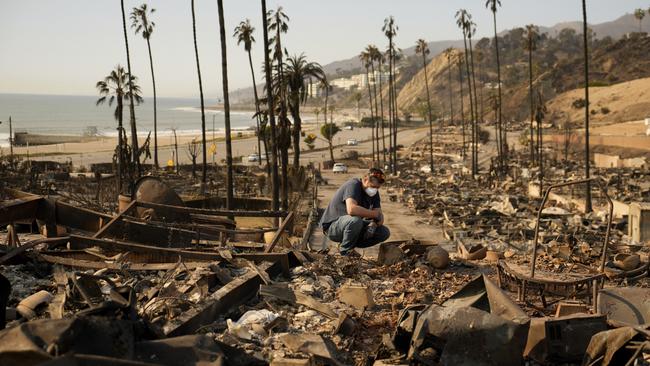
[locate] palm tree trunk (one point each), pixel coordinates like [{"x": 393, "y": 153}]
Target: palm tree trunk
[
  {"x": 395, "y": 115},
  {"x": 134, "y": 131},
  {"x": 372, "y": 117},
  {"x": 462, "y": 108},
  {"x": 530, "y": 91},
  {"x": 198, "y": 70},
  {"x": 381, "y": 113},
  {"x": 588, "y": 207},
  {"x": 391, "y": 121},
  {"x": 502, "y": 138},
  {"x": 426, "y": 82},
  {"x": 284, "y": 128},
  {"x": 271, "y": 113},
  {"x": 471, "y": 102},
  {"x": 257, "y": 106},
  {"x": 226, "y": 109},
  {"x": 155, "y": 110},
  {"x": 297, "y": 126},
  {"x": 120, "y": 155},
  {"x": 375, "y": 123},
  {"x": 476, "y": 110},
  {"x": 451, "y": 97}
]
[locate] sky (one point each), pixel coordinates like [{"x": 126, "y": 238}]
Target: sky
[{"x": 66, "y": 46}]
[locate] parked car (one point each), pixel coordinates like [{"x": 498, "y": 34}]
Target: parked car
[
  {"x": 340, "y": 168},
  {"x": 349, "y": 127},
  {"x": 253, "y": 158},
  {"x": 353, "y": 142}
]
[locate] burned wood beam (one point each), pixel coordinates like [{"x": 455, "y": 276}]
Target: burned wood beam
[
  {"x": 91, "y": 221},
  {"x": 81, "y": 242},
  {"x": 87, "y": 264},
  {"x": 19, "y": 209},
  {"x": 211, "y": 212},
  {"x": 278, "y": 234},
  {"x": 233, "y": 294},
  {"x": 115, "y": 219},
  {"x": 29, "y": 245}
]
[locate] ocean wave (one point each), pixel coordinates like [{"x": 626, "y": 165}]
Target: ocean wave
[
  {"x": 182, "y": 132},
  {"x": 213, "y": 111}
]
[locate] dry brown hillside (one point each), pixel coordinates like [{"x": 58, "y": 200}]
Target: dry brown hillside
[
  {"x": 414, "y": 90},
  {"x": 627, "y": 101}
]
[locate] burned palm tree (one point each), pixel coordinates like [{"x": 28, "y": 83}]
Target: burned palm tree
[
  {"x": 299, "y": 73},
  {"x": 278, "y": 23},
  {"x": 230, "y": 187},
  {"x": 142, "y": 23},
  {"x": 270, "y": 111},
  {"x": 117, "y": 87},
  {"x": 390, "y": 31},
  {"x": 422, "y": 48},
  {"x": 198, "y": 71},
  {"x": 366, "y": 60},
  {"x": 134, "y": 130},
  {"x": 588, "y": 207},
  {"x": 493, "y": 5},
  {"x": 531, "y": 38}
]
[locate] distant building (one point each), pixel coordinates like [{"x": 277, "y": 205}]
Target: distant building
[
  {"x": 344, "y": 83},
  {"x": 360, "y": 81},
  {"x": 615, "y": 161}
]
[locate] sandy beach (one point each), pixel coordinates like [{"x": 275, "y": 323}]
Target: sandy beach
[{"x": 244, "y": 143}]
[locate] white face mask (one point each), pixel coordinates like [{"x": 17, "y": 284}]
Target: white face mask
[{"x": 371, "y": 191}]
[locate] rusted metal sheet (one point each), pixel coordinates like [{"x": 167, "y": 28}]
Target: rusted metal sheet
[
  {"x": 567, "y": 338},
  {"x": 152, "y": 189},
  {"x": 613, "y": 347},
  {"x": 466, "y": 336},
  {"x": 483, "y": 294},
  {"x": 629, "y": 305}
]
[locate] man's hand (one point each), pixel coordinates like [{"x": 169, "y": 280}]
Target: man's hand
[{"x": 379, "y": 218}]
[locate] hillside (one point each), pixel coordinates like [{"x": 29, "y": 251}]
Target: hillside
[
  {"x": 557, "y": 67},
  {"x": 615, "y": 29},
  {"x": 627, "y": 101}
]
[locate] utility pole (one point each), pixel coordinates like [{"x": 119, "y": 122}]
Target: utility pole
[{"x": 11, "y": 142}]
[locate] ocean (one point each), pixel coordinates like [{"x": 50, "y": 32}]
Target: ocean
[{"x": 73, "y": 115}]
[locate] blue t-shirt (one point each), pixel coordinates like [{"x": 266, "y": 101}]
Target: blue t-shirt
[{"x": 350, "y": 189}]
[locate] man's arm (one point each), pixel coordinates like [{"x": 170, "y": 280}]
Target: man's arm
[{"x": 354, "y": 209}]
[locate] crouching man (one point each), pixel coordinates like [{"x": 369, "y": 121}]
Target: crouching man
[{"x": 353, "y": 217}]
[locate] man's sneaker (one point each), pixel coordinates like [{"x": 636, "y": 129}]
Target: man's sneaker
[{"x": 350, "y": 253}]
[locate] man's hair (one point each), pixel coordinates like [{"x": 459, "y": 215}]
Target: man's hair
[{"x": 376, "y": 176}]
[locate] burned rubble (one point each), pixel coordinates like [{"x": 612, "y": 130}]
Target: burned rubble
[{"x": 169, "y": 277}]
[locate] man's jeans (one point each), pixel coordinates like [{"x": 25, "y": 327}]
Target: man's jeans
[{"x": 349, "y": 231}]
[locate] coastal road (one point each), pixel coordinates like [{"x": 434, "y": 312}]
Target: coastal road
[{"x": 84, "y": 154}]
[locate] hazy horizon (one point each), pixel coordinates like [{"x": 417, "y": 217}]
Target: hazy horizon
[{"x": 64, "y": 48}]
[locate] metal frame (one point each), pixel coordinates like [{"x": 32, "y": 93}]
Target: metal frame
[{"x": 579, "y": 286}]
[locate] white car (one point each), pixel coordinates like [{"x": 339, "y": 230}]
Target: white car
[
  {"x": 353, "y": 142},
  {"x": 340, "y": 168},
  {"x": 349, "y": 127},
  {"x": 253, "y": 158}
]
